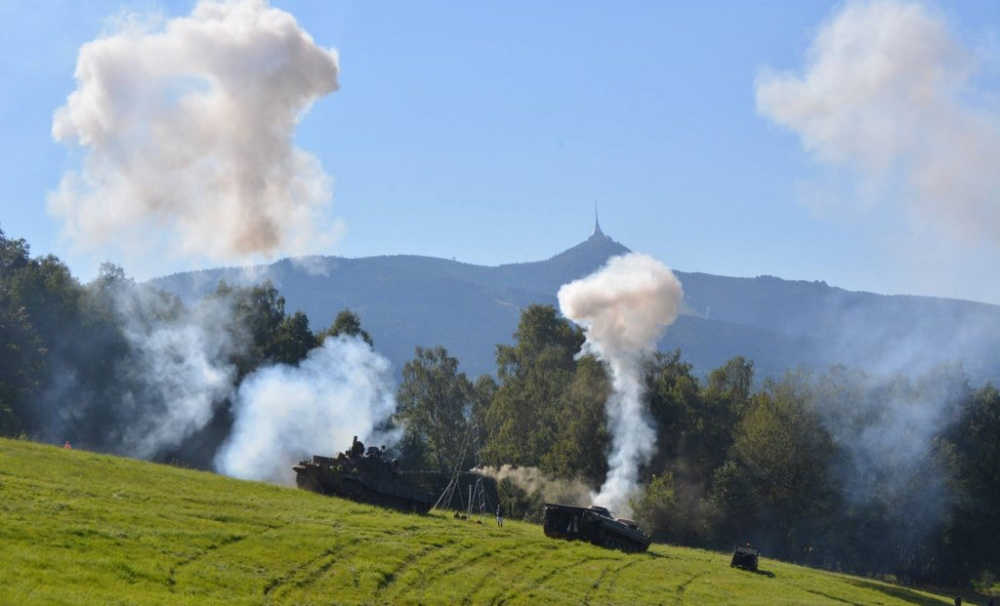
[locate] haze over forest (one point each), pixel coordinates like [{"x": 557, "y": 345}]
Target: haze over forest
[{"x": 409, "y": 301}]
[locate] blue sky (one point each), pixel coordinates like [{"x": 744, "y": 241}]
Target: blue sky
[{"x": 486, "y": 132}]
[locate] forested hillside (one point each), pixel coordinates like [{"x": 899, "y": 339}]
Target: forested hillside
[{"x": 847, "y": 468}]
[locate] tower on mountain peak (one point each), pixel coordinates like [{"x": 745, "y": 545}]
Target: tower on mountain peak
[{"x": 597, "y": 225}]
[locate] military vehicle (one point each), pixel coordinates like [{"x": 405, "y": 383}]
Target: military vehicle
[
  {"x": 595, "y": 525},
  {"x": 745, "y": 558},
  {"x": 363, "y": 476}
]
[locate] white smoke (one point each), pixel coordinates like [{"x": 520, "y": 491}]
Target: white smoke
[
  {"x": 888, "y": 430},
  {"x": 889, "y": 93},
  {"x": 533, "y": 481},
  {"x": 187, "y": 127},
  {"x": 182, "y": 365},
  {"x": 187, "y": 131},
  {"x": 168, "y": 386},
  {"x": 624, "y": 308},
  {"x": 285, "y": 413}
]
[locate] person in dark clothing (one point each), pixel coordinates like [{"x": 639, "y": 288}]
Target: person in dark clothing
[
  {"x": 500, "y": 514},
  {"x": 357, "y": 447}
]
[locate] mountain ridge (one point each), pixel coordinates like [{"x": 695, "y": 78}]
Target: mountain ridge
[{"x": 406, "y": 301}]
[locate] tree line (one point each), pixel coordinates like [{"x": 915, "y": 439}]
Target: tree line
[{"x": 837, "y": 468}]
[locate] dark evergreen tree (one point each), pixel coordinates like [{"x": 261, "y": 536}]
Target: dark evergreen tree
[{"x": 347, "y": 323}]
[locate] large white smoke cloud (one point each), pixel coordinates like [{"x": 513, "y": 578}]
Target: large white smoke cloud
[
  {"x": 187, "y": 132},
  {"x": 624, "y": 309},
  {"x": 888, "y": 91},
  {"x": 186, "y": 127},
  {"x": 286, "y": 413}
]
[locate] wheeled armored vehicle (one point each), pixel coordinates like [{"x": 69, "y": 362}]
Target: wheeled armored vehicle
[{"x": 745, "y": 558}]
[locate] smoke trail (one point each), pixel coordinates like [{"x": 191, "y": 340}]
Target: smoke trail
[
  {"x": 188, "y": 130},
  {"x": 532, "y": 480},
  {"x": 889, "y": 91},
  {"x": 285, "y": 413},
  {"x": 624, "y": 308}
]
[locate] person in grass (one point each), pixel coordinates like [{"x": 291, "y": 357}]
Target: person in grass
[{"x": 500, "y": 514}]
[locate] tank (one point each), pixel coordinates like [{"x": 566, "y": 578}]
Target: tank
[
  {"x": 595, "y": 525},
  {"x": 365, "y": 477}
]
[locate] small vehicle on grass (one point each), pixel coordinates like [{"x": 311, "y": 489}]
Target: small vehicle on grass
[{"x": 745, "y": 558}]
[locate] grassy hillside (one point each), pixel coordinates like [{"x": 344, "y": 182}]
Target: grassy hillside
[{"x": 81, "y": 528}]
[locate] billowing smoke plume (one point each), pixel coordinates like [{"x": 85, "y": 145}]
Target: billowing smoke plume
[
  {"x": 179, "y": 374},
  {"x": 533, "y": 481},
  {"x": 186, "y": 128},
  {"x": 151, "y": 374},
  {"x": 187, "y": 133},
  {"x": 284, "y": 413},
  {"x": 624, "y": 308},
  {"x": 888, "y": 91}
]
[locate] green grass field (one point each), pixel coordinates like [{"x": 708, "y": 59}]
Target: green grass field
[{"x": 82, "y": 528}]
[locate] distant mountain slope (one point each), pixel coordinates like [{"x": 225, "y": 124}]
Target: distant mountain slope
[{"x": 406, "y": 301}]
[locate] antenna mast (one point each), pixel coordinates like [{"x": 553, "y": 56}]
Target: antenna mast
[
  {"x": 477, "y": 497},
  {"x": 597, "y": 223}
]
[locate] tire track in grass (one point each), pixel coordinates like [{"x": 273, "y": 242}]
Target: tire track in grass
[
  {"x": 617, "y": 573},
  {"x": 481, "y": 582},
  {"x": 832, "y": 597},
  {"x": 276, "y": 584},
  {"x": 300, "y": 577},
  {"x": 595, "y": 587},
  {"x": 679, "y": 593},
  {"x": 515, "y": 592},
  {"x": 428, "y": 551},
  {"x": 388, "y": 582},
  {"x": 459, "y": 564},
  {"x": 814, "y": 591},
  {"x": 227, "y": 541}
]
